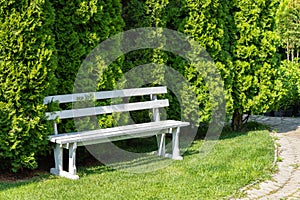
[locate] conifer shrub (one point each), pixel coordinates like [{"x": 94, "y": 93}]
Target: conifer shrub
[
  {"x": 79, "y": 27},
  {"x": 27, "y": 64}
]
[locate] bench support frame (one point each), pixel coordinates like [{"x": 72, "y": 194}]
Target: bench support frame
[{"x": 58, "y": 157}]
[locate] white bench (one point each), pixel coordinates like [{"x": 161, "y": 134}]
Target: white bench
[{"x": 72, "y": 140}]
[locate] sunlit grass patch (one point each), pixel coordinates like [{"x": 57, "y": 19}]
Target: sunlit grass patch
[{"x": 236, "y": 160}]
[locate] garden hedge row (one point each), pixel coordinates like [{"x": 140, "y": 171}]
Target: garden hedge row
[
  {"x": 43, "y": 44},
  {"x": 27, "y": 66}
]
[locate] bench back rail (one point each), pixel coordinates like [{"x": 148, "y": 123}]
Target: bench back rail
[
  {"x": 84, "y": 112},
  {"x": 69, "y": 98},
  {"x": 154, "y": 104}
]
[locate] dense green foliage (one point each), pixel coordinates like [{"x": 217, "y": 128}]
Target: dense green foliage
[
  {"x": 27, "y": 64},
  {"x": 207, "y": 23},
  {"x": 288, "y": 25},
  {"x": 79, "y": 27},
  {"x": 290, "y": 78},
  {"x": 239, "y": 36},
  {"x": 149, "y": 13},
  {"x": 41, "y": 40},
  {"x": 31, "y": 33},
  {"x": 255, "y": 82},
  {"x": 177, "y": 15}
]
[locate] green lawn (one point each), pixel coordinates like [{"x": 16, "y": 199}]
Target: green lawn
[{"x": 237, "y": 160}]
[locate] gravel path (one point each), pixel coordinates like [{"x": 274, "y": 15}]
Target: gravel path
[{"x": 285, "y": 184}]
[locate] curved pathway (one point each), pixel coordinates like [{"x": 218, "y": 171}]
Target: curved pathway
[{"x": 285, "y": 184}]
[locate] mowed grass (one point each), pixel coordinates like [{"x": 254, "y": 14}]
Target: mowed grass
[{"x": 236, "y": 160}]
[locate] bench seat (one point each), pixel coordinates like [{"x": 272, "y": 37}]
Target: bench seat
[{"x": 117, "y": 133}]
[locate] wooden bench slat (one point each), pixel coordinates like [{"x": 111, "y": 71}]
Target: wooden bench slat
[
  {"x": 114, "y": 129},
  {"x": 110, "y": 134},
  {"x": 106, "y": 130},
  {"x": 69, "y": 98},
  {"x": 116, "y": 138},
  {"x": 83, "y": 112}
]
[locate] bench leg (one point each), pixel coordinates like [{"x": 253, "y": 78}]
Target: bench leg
[
  {"x": 58, "y": 170},
  {"x": 161, "y": 140},
  {"x": 72, "y": 158},
  {"x": 175, "y": 145},
  {"x": 58, "y": 158}
]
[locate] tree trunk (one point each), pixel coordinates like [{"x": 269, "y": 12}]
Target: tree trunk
[
  {"x": 237, "y": 120},
  {"x": 287, "y": 51},
  {"x": 297, "y": 55}
]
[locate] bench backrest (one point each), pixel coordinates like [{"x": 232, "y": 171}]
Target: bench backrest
[{"x": 154, "y": 103}]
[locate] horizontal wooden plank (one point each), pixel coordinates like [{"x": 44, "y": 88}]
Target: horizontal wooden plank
[
  {"x": 117, "y": 133},
  {"x": 69, "y": 98},
  {"x": 121, "y": 134},
  {"x": 97, "y": 140},
  {"x": 163, "y": 123},
  {"x": 65, "y": 114}
]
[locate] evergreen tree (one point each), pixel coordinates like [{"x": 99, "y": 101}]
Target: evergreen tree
[
  {"x": 239, "y": 36},
  {"x": 79, "y": 27},
  {"x": 27, "y": 64},
  {"x": 255, "y": 86},
  {"x": 208, "y": 22},
  {"x": 288, "y": 25}
]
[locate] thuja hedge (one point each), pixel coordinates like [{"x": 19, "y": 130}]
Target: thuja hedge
[
  {"x": 27, "y": 64},
  {"x": 240, "y": 37},
  {"x": 42, "y": 45},
  {"x": 206, "y": 22},
  {"x": 41, "y": 40},
  {"x": 79, "y": 27}
]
